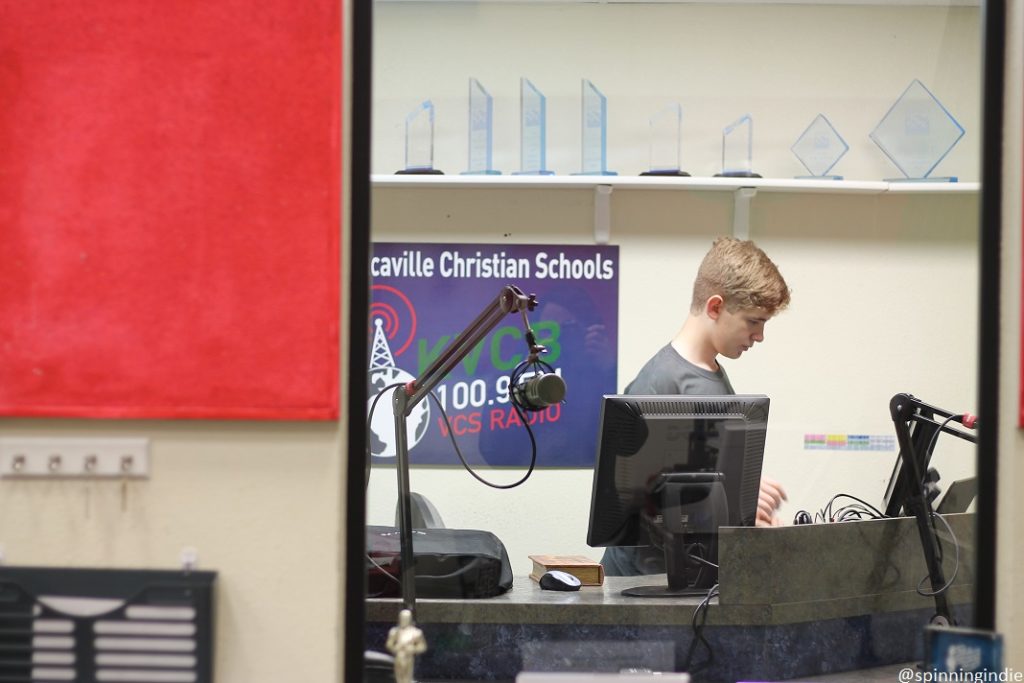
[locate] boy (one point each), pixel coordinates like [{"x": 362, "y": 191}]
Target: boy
[{"x": 737, "y": 290}]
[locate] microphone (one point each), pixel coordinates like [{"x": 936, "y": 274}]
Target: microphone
[
  {"x": 969, "y": 421},
  {"x": 540, "y": 391}
]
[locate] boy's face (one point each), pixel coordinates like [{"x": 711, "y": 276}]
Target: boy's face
[{"x": 737, "y": 331}]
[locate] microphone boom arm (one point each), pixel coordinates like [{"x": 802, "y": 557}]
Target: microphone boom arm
[
  {"x": 904, "y": 409},
  {"x": 509, "y": 300}
]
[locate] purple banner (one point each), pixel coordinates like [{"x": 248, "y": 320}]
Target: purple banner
[{"x": 425, "y": 295}]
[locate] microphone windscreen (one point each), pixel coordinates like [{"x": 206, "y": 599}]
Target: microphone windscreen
[
  {"x": 541, "y": 391},
  {"x": 550, "y": 389}
]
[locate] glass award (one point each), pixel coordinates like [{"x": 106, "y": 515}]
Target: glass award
[
  {"x": 481, "y": 130},
  {"x": 737, "y": 149},
  {"x": 419, "y": 141},
  {"x": 819, "y": 148},
  {"x": 917, "y": 133},
  {"x": 665, "y": 130},
  {"x": 594, "y": 121},
  {"x": 533, "y": 122}
]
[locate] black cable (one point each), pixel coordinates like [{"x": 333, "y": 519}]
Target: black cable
[
  {"x": 935, "y": 435},
  {"x": 458, "y": 452},
  {"x": 956, "y": 566},
  {"x": 931, "y": 520},
  {"x": 700, "y": 559},
  {"x": 852, "y": 513},
  {"x": 700, "y": 612},
  {"x": 369, "y": 459},
  {"x": 855, "y": 511},
  {"x": 451, "y": 435},
  {"x": 384, "y": 571},
  {"x": 828, "y": 516},
  {"x": 369, "y": 427}
]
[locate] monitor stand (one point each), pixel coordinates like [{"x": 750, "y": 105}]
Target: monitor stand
[
  {"x": 692, "y": 506},
  {"x": 686, "y": 577}
]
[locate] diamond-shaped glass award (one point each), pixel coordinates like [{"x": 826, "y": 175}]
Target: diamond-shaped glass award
[
  {"x": 419, "y": 141},
  {"x": 819, "y": 148},
  {"x": 917, "y": 133},
  {"x": 738, "y": 149},
  {"x": 594, "y": 122},
  {"x": 481, "y": 130},
  {"x": 533, "y": 122},
  {"x": 666, "y": 130}
]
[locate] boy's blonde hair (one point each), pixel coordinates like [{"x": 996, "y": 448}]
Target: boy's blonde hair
[{"x": 742, "y": 274}]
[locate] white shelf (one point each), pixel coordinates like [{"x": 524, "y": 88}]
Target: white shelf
[
  {"x": 603, "y": 187},
  {"x": 661, "y": 183},
  {"x": 948, "y": 188}
]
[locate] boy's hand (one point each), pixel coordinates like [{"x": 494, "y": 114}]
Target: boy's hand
[{"x": 768, "y": 502}]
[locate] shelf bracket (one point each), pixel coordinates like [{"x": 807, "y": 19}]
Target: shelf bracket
[
  {"x": 741, "y": 212},
  {"x": 602, "y": 213}
]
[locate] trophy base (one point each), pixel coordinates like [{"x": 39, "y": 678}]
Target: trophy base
[
  {"x": 818, "y": 177},
  {"x": 420, "y": 171},
  {"x": 737, "y": 174},
  {"x": 489, "y": 172},
  {"x": 541, "y": 172},
  {"x": 671, "y": 174},
  {"x": 595, "y": 173},
  {"x": 946, "y": 179}
]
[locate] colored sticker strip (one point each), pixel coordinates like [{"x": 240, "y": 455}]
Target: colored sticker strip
[{"x": 849, "y": 442}]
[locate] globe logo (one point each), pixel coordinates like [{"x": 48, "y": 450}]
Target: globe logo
[
  {"x": 382, "y": 425},
  {"x": 384, "y": 373}
]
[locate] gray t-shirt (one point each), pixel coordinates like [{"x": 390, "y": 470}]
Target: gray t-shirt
[
  {"x": 669, "y": 373},
  {"x": 665, "y": 373}
]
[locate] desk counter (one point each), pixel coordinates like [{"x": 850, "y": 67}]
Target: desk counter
[{"x": 795, "y": 601}]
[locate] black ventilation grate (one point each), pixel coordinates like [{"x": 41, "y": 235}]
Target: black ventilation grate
[
  {"x": 724, "y": 408},
  {"x": 96, "y": 625}
]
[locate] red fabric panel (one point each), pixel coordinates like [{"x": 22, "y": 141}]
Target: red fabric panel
[{"x": 170, "y": 208}]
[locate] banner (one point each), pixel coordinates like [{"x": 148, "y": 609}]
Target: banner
[
  {"x": 425, "y": 295},
  {"x": 170, "y": 209}
]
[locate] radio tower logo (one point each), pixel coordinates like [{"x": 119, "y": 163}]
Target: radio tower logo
[{"x": 387, "y": 328}]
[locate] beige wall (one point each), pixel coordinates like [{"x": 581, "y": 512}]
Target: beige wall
[{"x": 260, "y": 502}]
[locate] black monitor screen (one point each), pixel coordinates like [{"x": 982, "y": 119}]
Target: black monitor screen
[{"x": 670, "y": 470}]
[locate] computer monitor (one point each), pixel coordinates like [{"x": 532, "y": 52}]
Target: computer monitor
[{"x": 670, "y": 470}]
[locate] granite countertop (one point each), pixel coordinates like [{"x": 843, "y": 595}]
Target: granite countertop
[
  {"x": 770, "y": 577},
  {"x": 526, "y": 602}
]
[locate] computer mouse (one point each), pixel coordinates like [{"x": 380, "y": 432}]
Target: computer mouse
[{"x": 556, "y": 580}]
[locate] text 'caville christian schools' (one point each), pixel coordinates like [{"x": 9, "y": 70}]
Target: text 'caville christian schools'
[{"x": 453, "y": 264}]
